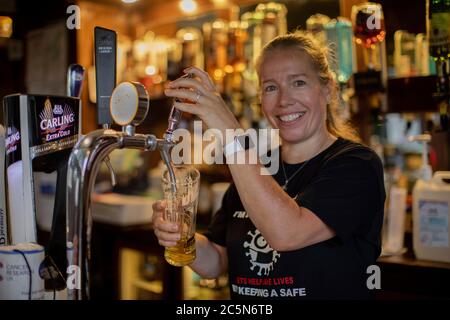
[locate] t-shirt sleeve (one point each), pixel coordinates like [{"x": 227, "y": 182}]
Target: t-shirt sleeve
[
  {"x": 346, "y": 194},
  {"x": 217, "y": 229}
]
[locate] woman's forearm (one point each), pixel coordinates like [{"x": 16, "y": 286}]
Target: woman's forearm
[
  {"x": 284, "y": 224},
  {"x": 211, "y": 259},
  {"x": 271, "y": 210}
]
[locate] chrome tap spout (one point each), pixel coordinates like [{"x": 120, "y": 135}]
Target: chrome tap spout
[
  {"x": 83, "y": 166},
  {"x": 128, "y": 106},
  {"x": 165, "y": 147}
]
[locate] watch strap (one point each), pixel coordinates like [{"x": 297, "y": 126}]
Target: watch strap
[{"x": 232, "y": 147}]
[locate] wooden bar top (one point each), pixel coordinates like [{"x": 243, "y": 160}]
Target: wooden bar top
[{"x": 404, "y": 277}]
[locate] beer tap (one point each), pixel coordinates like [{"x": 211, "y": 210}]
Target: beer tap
[
  {"x": 105, "y": 47},
  {"x": 173, "y": 123},
  {"x": 129, "y": 105},
  {"x": 55, "y": 259}
]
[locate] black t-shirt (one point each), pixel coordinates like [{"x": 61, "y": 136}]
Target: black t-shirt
[{"x": 343, "y": 186}]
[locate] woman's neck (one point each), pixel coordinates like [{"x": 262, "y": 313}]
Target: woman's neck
[{"x": 305, "y": 150}]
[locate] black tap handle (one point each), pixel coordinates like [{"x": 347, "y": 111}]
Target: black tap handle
[
  {"x": 75, "y": 77},
  {"x": 56, "y": 255},
  {"x": 105, "y": 46}
]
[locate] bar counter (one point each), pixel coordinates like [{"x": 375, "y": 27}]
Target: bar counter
[{"x": 404, "y": 277}]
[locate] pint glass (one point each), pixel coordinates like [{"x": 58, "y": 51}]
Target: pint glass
[{"x": 181, "y": 208}]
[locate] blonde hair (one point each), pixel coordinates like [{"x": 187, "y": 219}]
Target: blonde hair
[{"x": 304, "y": 42}]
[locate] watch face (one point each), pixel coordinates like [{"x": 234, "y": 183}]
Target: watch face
[{"x": 245, "y": 141}]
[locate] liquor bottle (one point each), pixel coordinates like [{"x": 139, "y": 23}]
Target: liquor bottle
[
  {"x": 274, "y": 20},
  {"x": 315, "y": 24},
  {"x": 438, "y": 28},
  {"x": 371, "y": 79},
  {"x": 404, "y": 53},
  {"x": 422, "y": 60},
  {"x": 156, "y": 66},
  {"x": 438, "y": 25},
  {"x": 174, "y": 54},
  {"x": 280, "y": 12},
  {"x": 253, "y": 44},
  {"x": 340, "y": 38},
  {"x": 236, "y": 64},
  {"x": 237, "y": 37},
  {"x": 369, "y": 32},
  {"x": 192, "y": 47},
  {"x": 252, "y": 50},
  {"x": 216, "y": 41}
]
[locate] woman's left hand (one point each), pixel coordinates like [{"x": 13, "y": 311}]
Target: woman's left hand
[{"x": 206, "y": 102}]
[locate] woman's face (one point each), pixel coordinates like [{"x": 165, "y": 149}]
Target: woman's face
[{"x": 293, "y": 99}]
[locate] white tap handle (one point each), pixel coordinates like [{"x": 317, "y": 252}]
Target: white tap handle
[{"x": 129, "y": 104}]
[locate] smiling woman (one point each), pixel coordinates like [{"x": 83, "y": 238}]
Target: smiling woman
[
  {"x": 302, "y": 62},
  {"x": 315, "y": 237},
  {"x": 293, "y": 99}
]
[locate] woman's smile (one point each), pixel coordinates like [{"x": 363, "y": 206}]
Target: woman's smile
[{"x": 290, "y": 118}]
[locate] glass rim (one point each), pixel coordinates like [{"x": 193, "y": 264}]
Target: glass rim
[
  {"x": 191, "y": 168},
  {"x": 364, "y": 6}
]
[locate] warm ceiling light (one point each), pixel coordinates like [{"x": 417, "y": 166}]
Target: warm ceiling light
[
  {"x": 150, "y": 70},
  {"x": 129, "y": 1},
  {"x": 218, "y": 74},
  {"x": 188, "y": 6},
  {"x": 220, "y": 3},
  {"x": 188, "y": 36},
  {"x": 228, "y": 68}
]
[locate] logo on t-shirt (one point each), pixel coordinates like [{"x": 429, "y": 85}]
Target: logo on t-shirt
[
  {"x": 260, "y": 253},
  {"x": 240, "y": 215}
]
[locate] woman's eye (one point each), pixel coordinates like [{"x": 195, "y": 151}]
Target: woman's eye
[
  {"x": 269, "y": 88},
  {"x": 299, "y": 83}
]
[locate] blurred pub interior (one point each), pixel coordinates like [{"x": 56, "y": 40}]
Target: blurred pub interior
[{"x": 392, "y": 89}]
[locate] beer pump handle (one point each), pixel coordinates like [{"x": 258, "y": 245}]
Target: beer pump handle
[
  {"x": 175, "y": 116},
  {"x": 105, "y": 45},
  {"x": 56, "y": 254},
  {"x": 3, "y": 215},
  {"x": 75, "y": 77},
  {"x": 56, "y": 260}
]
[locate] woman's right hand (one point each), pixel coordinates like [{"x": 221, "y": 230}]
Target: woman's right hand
[{"x": 167, "y": 232}]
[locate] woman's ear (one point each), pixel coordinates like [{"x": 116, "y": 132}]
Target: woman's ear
[{"x": 328, "y": 90}]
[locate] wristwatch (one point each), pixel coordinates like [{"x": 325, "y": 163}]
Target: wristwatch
[{"x": 240, "y": 142}]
